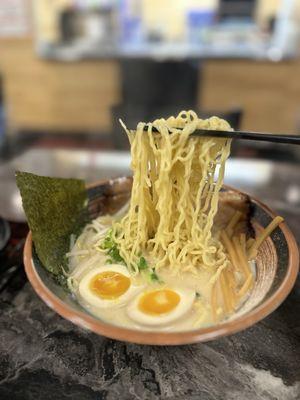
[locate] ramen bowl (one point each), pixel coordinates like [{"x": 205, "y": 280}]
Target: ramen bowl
[{"x": 277, "y": 264}]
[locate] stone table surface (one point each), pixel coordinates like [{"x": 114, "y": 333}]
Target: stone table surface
[{"x": 43, "y": 356}]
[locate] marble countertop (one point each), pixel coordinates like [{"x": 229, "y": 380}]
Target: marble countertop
[{"x": 43, "y": 356}]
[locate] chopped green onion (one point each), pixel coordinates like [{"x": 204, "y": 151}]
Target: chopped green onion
[
  {"x": 142, "y": 264},
  {"x": 154, "y": 277},
  {"x": 108, "y": 242},
  {"x": 112, "y": 249}
]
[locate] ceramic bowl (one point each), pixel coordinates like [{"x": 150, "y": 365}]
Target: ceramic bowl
[{"x": 277, "y": 267}]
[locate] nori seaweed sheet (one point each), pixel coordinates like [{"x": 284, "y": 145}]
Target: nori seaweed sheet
[{"x": 55, "y": 208}]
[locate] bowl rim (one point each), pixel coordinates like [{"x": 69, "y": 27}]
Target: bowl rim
[{"x": 226, "y": 328}]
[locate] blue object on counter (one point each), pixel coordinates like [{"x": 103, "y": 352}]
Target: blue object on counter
[
  {"x": 131, "y": 30},
  {"x": 130, "y": 22},
  {"x": 197, "y": 20}
]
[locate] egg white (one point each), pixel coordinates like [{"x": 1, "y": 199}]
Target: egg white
[
  {"x": 96, "y": 301},
  {"x": 187, "y": 297}
]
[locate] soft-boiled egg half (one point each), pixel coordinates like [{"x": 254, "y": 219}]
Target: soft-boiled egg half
[
  {"x": 160, "y": 306},
  {"x": 107, "y": 286}
]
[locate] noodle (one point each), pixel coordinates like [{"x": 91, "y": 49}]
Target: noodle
[
  {"x": 265, "y": 233},
  {"x": 246, "y": 286},
  {"x": 243, "y": 242},
  {"x": 235, "y": 219},
  {"x": 175, "y": 192},
  {"x": 241, "y": 257},
  {"x": 226, "y": 293},
  {"x": 231, "y": 251}
]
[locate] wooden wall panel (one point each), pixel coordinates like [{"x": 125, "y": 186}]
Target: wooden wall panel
[
  {"x": 53, "y": 95},
  {"x": 268, "y": 92}
]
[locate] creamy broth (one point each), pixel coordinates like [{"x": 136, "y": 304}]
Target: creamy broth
[
  {"x": 85, "y": 258},
  {"x": 198, "y": 316}
]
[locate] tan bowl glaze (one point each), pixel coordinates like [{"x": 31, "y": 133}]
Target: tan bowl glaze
[{"x": 277, "y": 267}]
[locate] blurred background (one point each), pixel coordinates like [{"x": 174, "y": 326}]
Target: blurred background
[{"x": 70, "y": 69}]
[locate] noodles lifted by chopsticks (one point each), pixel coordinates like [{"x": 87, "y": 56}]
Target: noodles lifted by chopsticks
[{"x": 176, "y": 184}]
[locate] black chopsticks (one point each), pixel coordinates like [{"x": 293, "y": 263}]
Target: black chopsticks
[
  {"x": 246, "y": 135},
  {"x": 265, "y": 137}
]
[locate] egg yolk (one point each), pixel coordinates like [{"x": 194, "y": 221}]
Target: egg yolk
[
  {"x": 159, "y": 302},
  {"x": 109, "y": 284}
]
